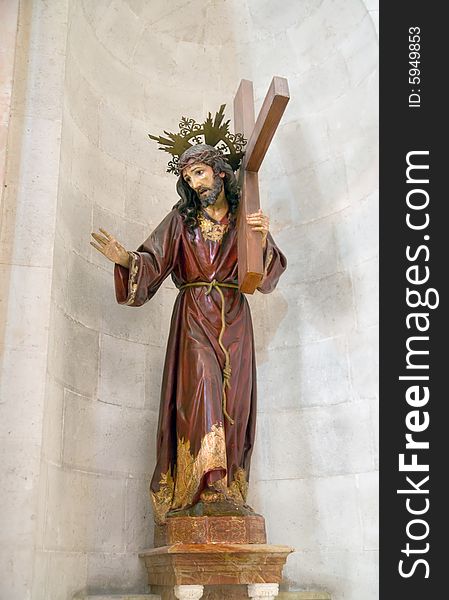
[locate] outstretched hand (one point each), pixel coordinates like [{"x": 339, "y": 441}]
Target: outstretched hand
[
  {"x": 110, "y": 247},
  {"x": 258, "y": 221}
]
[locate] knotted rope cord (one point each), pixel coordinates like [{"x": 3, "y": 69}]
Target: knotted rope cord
[{"x": 227, "y": 368}]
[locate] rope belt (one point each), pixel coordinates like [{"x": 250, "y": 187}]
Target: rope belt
[{"x": 227, "y": 368}]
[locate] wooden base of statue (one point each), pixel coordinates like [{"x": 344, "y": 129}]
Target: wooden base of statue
[
  {"x": 211, "y": 530},
  {"x": 214, "y": 558}
]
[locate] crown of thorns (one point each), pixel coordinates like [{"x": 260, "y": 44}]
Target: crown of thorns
[{"x": 212, "y": 133}]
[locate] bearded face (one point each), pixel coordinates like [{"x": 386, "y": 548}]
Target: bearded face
[
  {"x": 208, "y": 196},
  {"x": 201, "y": 178}
]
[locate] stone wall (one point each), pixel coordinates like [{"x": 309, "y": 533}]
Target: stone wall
[
  {"x": 9, "y": 10},
  {"x": 99, "y": 76},
  {"x": 28, "y": 208}
]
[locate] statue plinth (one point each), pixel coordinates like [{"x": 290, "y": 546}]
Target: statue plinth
[
  {"x": 214, "y": 551},
  {"x": 211, "y": 530},
  {"x": 215, "y": 564}
]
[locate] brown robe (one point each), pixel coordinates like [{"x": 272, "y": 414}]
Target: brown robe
[{"x": 194, "y": 438}]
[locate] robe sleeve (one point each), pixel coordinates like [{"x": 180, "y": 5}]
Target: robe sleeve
[
  {"x": 153, "y": 261},
  {"x": 275, "y": 264}
]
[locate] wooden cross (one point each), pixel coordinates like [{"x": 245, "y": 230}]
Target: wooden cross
[{"x": 259, "y": 135}]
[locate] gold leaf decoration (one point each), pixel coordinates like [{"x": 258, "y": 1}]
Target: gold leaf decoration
[{"x": 210, "y": 230}]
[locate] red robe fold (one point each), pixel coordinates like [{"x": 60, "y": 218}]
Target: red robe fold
[{"x": 194, "y": 439}]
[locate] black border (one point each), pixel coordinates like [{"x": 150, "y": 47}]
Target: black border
[{"x": 403, "y": 129}]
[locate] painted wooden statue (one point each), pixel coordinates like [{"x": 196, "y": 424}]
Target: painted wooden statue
[{"x": 208, "y": 397}]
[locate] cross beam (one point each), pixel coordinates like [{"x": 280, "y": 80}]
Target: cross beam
[{"x": 259, "y": 135}]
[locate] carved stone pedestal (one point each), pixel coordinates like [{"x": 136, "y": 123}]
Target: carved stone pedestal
[
  {"x": 181, "y": 570},
  {"x": 214, "y": 557}
]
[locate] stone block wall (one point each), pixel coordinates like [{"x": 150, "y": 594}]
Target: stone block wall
[
  {"x": 92, "y": 79},
  {"x": 9, "y": 9},
  {"x": 33, "y": 56}
]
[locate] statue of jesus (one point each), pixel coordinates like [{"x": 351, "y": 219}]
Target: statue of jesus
[{"x": 208, "y": 397}]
